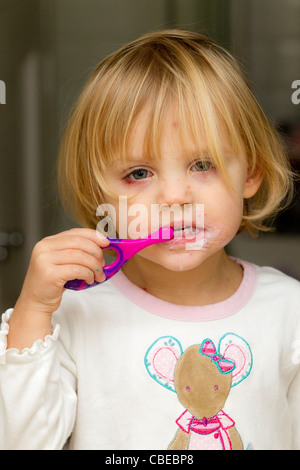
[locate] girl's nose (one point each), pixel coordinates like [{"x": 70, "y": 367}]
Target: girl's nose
[{"x": 175, "y": 191}]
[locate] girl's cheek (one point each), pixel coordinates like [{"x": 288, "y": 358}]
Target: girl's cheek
[
  {"x": 134, "y": 188},
  {"x": 133, "y": 182}
]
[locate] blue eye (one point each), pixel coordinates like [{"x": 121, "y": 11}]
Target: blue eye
[
  {"x": 139, "y": 174},
  {"x": 203, "y": 165}
]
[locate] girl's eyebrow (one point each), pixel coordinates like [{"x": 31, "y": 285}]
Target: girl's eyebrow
[
  {"x": 137, "y": 160},
  {"x": 134, "y": 161}
]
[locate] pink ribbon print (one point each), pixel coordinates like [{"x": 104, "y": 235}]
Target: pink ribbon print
[{"x": 208, "y": 349}]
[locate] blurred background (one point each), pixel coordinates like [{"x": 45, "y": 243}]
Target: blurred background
[{"x": 48, "y": 48}]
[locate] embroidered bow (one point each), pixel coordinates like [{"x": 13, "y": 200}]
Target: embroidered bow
[{"x": 208, "y": 349}]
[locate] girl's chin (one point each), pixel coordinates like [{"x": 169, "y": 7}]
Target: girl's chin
[{"x": 177, "y": 259}]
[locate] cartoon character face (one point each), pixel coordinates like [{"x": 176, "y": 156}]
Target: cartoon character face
[{"x": 200, "y": 387}]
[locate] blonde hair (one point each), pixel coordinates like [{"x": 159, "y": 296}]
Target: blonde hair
[{"x": 209, "y": 90}]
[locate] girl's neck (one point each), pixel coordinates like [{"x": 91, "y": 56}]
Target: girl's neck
[{"x": 216, "y": 279}]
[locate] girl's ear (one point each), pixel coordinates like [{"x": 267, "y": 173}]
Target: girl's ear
[
  {"x": 236, "y": 349},
  {"x": 252, "y": 183},
  {"x": 161, "y": 359}
]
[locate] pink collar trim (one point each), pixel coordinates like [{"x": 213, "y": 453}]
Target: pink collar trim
[{"x": 190, "y": 313}]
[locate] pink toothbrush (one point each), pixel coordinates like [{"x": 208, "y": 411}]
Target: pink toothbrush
[{"x": 125, "y": 250}]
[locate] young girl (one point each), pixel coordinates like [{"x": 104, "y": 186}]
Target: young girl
[{"x": 186, "y": 347}]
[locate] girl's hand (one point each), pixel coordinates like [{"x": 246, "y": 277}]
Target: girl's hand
[{"x": 73, "y": 254}]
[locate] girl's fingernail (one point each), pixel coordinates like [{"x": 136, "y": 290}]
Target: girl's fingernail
[{"x": 100, "y": 235}]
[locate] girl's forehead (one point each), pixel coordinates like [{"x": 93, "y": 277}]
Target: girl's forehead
[
  {"x": 172, "y": 130},
  {"x": 168, "y": 123}
]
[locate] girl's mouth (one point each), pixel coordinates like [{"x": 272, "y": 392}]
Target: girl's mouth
[
  {"x": 187, "y": 235},
  {"x": 187, "y": 232}
]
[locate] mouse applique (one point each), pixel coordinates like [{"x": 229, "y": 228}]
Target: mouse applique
[{"x": 202, "y": 376}]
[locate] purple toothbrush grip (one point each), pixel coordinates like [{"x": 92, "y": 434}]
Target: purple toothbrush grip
[{"x": 75, "y": 284}]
